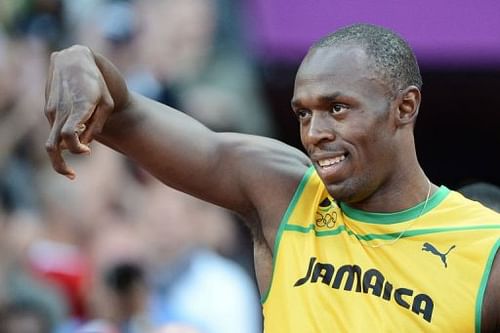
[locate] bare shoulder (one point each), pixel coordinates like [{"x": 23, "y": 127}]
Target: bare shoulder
[
  {"x": 263, "y": 157},
  {"x": 269, "y": 171},
  {"x": 491, "y": 302}
]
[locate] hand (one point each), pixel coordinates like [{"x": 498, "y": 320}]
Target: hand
[{"x": 77, "y": 104}]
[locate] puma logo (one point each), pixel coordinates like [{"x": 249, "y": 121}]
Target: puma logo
[{"x": 430, "y": 248}]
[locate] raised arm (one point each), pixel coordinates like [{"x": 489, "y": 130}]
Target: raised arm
[{"x": 87, "y": 98}]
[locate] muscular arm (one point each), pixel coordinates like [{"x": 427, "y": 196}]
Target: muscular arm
[
  {"x": 247, "y": 174},
  {"x": 228, "y": 169}
]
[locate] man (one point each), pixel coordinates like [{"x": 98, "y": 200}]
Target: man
[{"x": 352, "y": 238}]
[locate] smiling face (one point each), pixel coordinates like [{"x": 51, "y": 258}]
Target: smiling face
[{"x": 346, "y": 113}]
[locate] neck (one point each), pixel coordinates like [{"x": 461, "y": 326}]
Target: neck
[{"x": 400, "y": 192}]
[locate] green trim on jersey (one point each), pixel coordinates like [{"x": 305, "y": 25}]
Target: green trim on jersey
[
  {"x": 397, "y": 217},
  {"x": 482, "y": 288},
  {"x": 286, "y": 216},
  {"x": 390, "y": 236}
]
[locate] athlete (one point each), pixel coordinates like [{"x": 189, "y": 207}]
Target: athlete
[{"x": 353, "y": 237}]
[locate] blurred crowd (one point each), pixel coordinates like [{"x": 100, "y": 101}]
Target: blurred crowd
[{"x": 114, "y": 250}]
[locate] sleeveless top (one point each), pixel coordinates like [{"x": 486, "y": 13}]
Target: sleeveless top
[{"x": 338, "y": 269}]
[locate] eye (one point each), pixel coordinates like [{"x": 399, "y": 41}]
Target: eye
[
  {"x": 302, "y": 114},
  {"x": 339, "y": 107}
]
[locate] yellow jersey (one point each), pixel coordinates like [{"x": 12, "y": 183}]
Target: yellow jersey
[{"x": 338, "y": 269}]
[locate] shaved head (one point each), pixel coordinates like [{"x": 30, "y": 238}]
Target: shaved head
[{"x": 392, "y": 58}]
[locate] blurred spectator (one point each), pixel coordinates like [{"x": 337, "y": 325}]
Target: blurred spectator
[
  {"x": 185, "y": 53},
  {"x": 17, "y": 283},
  {"x": 61, "y": 253},
  {"x": 41, "y": 19},
  {"x": 163, "y": 271},
  {"x": 24, "y": 317},
  {"x": 193, "y": 48},
  {"x": 486, "y": 193},
  {"x": 22, "y": 72},
  {"x": 138, "y": 257},
  {"x": 127, "y": 282},
  {"x": 118, "y": 292},
  {"x": 192, "y": 284}
]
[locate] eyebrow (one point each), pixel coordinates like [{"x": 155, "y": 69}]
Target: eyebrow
[{"x": 321, "y": 99}]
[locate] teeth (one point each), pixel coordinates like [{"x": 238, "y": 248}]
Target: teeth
[{"x": 331, "y": 161}]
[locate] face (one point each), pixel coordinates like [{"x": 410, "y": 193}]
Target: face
[{"x": 347, "y": 123}]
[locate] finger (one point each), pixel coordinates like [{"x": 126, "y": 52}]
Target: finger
[
  {"x": 101, "y": 114},
  {"x": 50, "y": 113},
  {"x": 48, "y": 84},
  {"x": 51, "y": 96},
  {"x": 75, "y": 126},
  {"x": 54, "y": 151},
  {"x": 87, "y": 136},
  {"x": 80, "y": 129}
]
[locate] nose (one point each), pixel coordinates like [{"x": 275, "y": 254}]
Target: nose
[{"x": 320, "y": 128}]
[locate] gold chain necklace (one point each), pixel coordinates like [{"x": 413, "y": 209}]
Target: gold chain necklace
[{"x": 407, "y": 228}]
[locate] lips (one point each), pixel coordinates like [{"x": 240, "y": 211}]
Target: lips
[
  {"x": 332, "y": 167},
  {"x": 331, "y": 161}
]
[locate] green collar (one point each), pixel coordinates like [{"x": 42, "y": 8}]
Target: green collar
[{"x": 397, "y": 217}]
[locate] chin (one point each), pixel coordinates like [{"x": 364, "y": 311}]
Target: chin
[
  {"x": 347, "y": 191},
  {"x": 339, "y": 192}
]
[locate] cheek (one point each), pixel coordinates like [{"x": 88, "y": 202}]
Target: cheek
[
  {"x": 373, "y": 144},
  {"x": 303, "y": 138}
]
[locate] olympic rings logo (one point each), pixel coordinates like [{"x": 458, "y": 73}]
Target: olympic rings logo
[{"x": 326, "y": 220}]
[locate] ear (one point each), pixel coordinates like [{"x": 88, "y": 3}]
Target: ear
[{"x": 409, "y": 103}]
